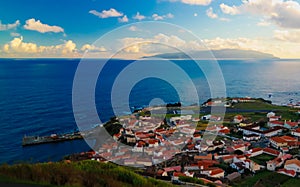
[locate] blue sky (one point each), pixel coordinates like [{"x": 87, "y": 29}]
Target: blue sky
[{"x": 51, "y": 28}]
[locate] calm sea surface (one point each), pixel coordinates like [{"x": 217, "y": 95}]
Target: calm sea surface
[{"x": 36, "y": 97}]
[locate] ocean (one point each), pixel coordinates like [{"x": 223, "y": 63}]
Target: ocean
[{"x": 36, "y": 96}]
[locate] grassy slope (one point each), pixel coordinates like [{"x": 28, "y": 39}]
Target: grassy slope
[
  {"x": 268, "y": 179},
  {"x": 84, "y": 173}
]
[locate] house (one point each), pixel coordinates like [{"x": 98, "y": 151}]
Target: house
[
  {"x": 205, "y": 164},
  {"x": 272, "y": 131},
  {"x": 271, "y": 151},
  {"x": 129, "y": 162},
  {"x": 214, "y": 172},
  {"x": 240, "y": 147},
  {"x": 189, "y": 174},
  {"x": 238, "y": 119},
  {"x": 203, "y": 157},
  {"x": 217, "y": 173},
  {"x": 290, "y": 125},
  {"x": 251, "y": 137},
  {"x": 171, "y": 169},
  {"x": 270, "y": 114},
  {"x": 117, "y": 136},
  {"x": 228, "y": 158},
  {"x": 274, "y": 118},
  {"x": 277, "y": 162},
  {"x": 284, "y": 141},
  {"x": 296, "y": 132},
  {"x": 275, "y": 123},
  {"x": 235, "y": 176},
  {"x": 192, "y": 167},
  {"x": 176, "y": 176},
  {"x": 256, "y": 151},
  {"x": 293, "y": 164},
  {"x": 239, "y": 166},
  {"x": 252, "y": 166},
  {"x": 206, "y": 117},
  {"x": 284, "y": 171},
  {"x": 145, "y": 162}
]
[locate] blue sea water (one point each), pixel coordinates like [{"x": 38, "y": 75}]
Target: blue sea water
[{"x": 36, "y": 96}]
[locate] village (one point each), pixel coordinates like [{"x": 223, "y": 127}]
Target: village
[{"x": 218, "y": 150}]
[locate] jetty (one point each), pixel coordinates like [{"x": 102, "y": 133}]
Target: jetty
[{"x": 53, "y": 138}]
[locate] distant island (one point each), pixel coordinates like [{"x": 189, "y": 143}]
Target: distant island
[{"x": 218, "y": 54}]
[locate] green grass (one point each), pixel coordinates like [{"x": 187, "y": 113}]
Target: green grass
[
  {"x": 84, "y": 173},
  {"x": 268, "y": 179},
  {"x": 292, "y": 182},
  {"x": 262, "y": 159}
]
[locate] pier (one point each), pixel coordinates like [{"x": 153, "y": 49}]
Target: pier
[{"x": 35, "y": 140}]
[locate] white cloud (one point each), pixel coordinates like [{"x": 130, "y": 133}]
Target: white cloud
[
  {"x": 195, "y": 14},
  {"x": 106, "y": 13},
  {"x": 193, "y": 2},
  {"x": 124, "y": 19},
  {"x": 133, "y": 28},
  {"x": 4, "y": 27},
  {"x": 287, "y": 36},
  {"x": 14, "y": 34},
  {"x": 157, "y": 17},
  {"x": 17, "y": 47},
  {"x": 263, "y": 23},
  {"x": 92, "y": 48},
  {"x": 139, "y": 16},
  {"x": 229, "y": 10},
  {"x": 210, "y": 13},
  {"x": 285, "y": 14},
  {"x": 37, "y": 25},
  {"x": 224, "y": 19}
]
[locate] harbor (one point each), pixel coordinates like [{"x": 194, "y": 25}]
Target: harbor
[{"x": 53, "y": 138}]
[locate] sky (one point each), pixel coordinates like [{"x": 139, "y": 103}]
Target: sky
[{"x": 72, "y": 28}]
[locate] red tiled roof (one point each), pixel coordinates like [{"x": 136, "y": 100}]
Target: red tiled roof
[
  {"x": 293, "y": 161},
  {"x": 174, "y": 168},
  {"x": 257, "y": 149},
  {"x": 271, "y": 151},
  {"x": 297, "y": 130},
  {"x": 178, "y": 174},
  {"x": 238, "y": 146},
  {"x": 292, "y": 124},
  {"x": 289, "y": 172},
  {"x": 277, "y": 122},
  {"x": 216, "y": 171},
  {"x": 275, "y": 117},
  {"x": 228, "y": 157},
  {"x": 288, "y": 138}
]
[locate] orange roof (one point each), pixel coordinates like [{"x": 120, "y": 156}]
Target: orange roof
[
  {"x": 216, "y": 171},
  {"x": 238, "y": 146},
  {"x": 290, "y": 172},
  {"x": 228, "y": 157},
  {"x": 288, "y": 138},
  {"x": 271, "y": 151},
  {"x": 277, "y": 122},
  {"x": 293, "y": 161},
  {"x": 297, "y": 130},
  {"x": 257, "y": 149},
  {"x": 178, "y": 174},
  {"x": 292, "y": 124}
]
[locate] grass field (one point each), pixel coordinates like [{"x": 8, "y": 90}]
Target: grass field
[
  {"x": 262, "y": 159},
  {"x": 269, "y": 179}
]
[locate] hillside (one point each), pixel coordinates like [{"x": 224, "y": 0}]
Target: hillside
[
  {"x": 84, "y": 173},
  {"x": 218, "y": 54}
]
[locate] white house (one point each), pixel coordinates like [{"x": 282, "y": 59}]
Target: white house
[
  {"x": 290, "y": 125},
  {"x": 270, "y": 114},
  {"x": 296, "y": 132},
  {"x": 290, "y": 173},
  {"x": 293, "y": 164}
]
